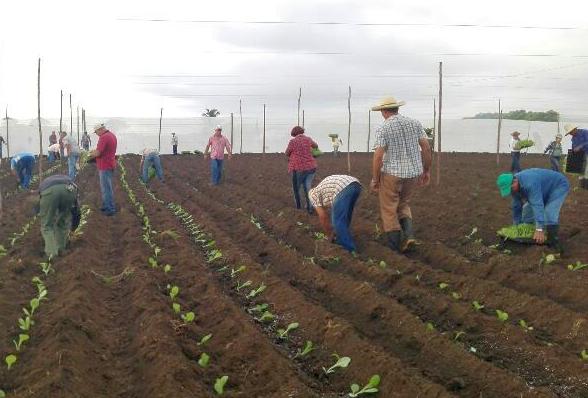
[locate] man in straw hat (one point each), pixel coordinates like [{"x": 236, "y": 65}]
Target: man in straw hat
[
  {"x": 104, "y": 154},
  {"x": 402, "y": 159},
  {"x": 217, "y": 144},
  {"x": 579, "y": 142},
  {"x": 554, "y": 150},
  {"x": 537, "y": 198},
  {"x": 515, "y": 151}
]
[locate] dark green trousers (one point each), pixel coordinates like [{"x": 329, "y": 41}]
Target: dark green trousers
[{"x": 55, "y": 213}]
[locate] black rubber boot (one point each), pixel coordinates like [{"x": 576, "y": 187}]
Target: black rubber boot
[
  {"x": 394, "y": 240},
  {"x": 553, "y": 238},
  {"x": 409, "y": 240}
]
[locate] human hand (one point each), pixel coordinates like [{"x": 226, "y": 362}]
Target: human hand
[
  {"x": 375, "y": 186},
  {"x": 230, "y": 156},
  {"x": 425, "y": 178},
  {"x": 539, "y": 237}
]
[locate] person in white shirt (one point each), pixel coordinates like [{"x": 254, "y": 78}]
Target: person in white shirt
[
  {"x": 515, "y": 151},
  {"x": 174, "y": 142},
  {"x": 73, "y": 153}
]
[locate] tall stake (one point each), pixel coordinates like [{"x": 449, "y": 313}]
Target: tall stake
[
  {"x": 78, "y": 122},
  {"x": 39, "y": 119},
  {"x": 369, "y": 129},
  {"x": 60, "y": 110},
  {"x": 263, "y": 129},
  {"x": 299, "y": 97},
  {"x": 498, "y": 134},
  {"x": 70, "y": 117},
  {"x": 232, "y": 128},
  {"x": 7, "y": 136},
  {"x": 349, "y": 132},
  {"x": 241, "y": 126},
  {"x": 160, "y": 117},
  {"x": 434, "y": 123},
  {"x": 439, "y": 123},
  {"x": 303, "y": 118}
]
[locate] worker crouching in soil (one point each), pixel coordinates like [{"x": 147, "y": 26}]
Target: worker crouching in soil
[
  {"x": 537, "y": 198},
  {"x": 59, "y": 212},
  {"x": 338, "y": 193}
]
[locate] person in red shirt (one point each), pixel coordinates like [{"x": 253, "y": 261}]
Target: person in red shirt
[
  {"x": 104, "y": 154},
  {"x": 301, "y": 164}
]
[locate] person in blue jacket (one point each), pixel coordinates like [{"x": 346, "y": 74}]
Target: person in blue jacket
[
  {"x": 537, "y": 197},
  {"x": 579, "y": 142},
  {"x": 22, "y": 167}
]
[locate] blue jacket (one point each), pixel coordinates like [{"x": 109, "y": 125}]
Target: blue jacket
[
  {"x": 537, "y": 187},
  {"x": 580, "y": 140},
  {"x": 18, "y": 157}
]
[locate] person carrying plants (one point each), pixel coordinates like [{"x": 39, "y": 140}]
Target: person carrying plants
[
  {"x": 301, "y": 164},
  {"x": 515, "y": 152},
  {"x": 105, "y": 155},
  {"x": 22, "y": 165},
  {"x": 402, "y": 160},
  {"x": 336, "y": 142},
  {"x": 86, "y": 141},
  {"x": 537, "y": 198},
  {"x": 174, "y": 142},
  {"x": 59, "y": 212},
  {"x": 217, "y": 144},
  {"x": 579, "y": 143},
  {"x": 150, "y": 159},
  {"x": 73, "y": 153},
  {"x": 339, "y": 193},
  {"x": 554, "y": 150}
]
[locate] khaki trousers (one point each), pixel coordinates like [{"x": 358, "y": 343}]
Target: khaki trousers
[{"x": 394, "y": 195}]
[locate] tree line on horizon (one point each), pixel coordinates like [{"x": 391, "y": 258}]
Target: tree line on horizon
[{"x": 521, "y": 114}]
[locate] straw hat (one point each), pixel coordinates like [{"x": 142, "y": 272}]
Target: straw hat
[
  {"x": 388, "y": 103},
  {"x": 99, "y": 126},
  {"x": 570, "y": 127},
  {"x": 515, "y": 133}
]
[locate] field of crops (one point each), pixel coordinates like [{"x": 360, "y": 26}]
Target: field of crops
[{"x": 193, "y": 289}]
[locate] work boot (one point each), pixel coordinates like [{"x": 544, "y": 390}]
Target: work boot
[
  {"x": 394, "y": 238},
  {"x": 409, "y": 241},
  {"x": 553, "y": 238}
]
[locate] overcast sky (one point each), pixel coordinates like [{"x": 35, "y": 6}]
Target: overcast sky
[{"x": 131, "y": 58}]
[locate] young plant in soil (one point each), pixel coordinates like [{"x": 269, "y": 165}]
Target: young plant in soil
[
  {"x": 235, "y": 272},
  {"x": 188, "y": 317},
  {"x": 25, "y": 323},
  {"x": 203, "y": 360},
  {"x": 256, "y": 292},
  {"x": 283, "y": 333},
  {"x": 577, "y": 267},
  {"x": 477, "y": 306},
  {"x": 153, "y": 262},
  {"x": 308, "y": 348},
  {"x": 259, "y": 308},
  {"x": 523, "y": 324},
  {"x": 242, "y": 285},
  {"x": 173, "y": 292},
  {"x": 443, "y": 285},
  {"x": 205, "y": 339},
  {"x": 584, "y": 355},
  {"x": 176, "y": 307},
  {"x": 219, "y": 384},
  {"x": 502, "y": 315},
  {"x": 342, "y": 363},
  {"x": 265, "y": 317},
  {"x": 22, "y": 338},
  {"x": 370, "y": 388},
  {"x": 214, "y": 255},
  {"x": 2, "y": 394},
  {"x": 10, "y": 360},
  {"x": 46, "y": 267},
  {"x": 167, "y": 268},
  {"x": 458, "y": 335}
]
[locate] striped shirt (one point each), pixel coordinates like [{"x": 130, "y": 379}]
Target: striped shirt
[
  {"x": 323, "y": 195},
  {"x": 399, "y": 136}
]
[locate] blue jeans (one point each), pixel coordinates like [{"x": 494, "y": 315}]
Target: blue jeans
[
  {"x": 24, "y": 170},
  {"x": 552, "y": 205},
  {"x": 51, "y": 157},
  {"x": 216, "y": 170},
  {"x": 72, "y": 159},
  {"x": 554, "y": 163},
  {"x": 106, "y": 189},
  {"x": 152, "y": 160},
  {"x": 341, "y": 215},
  {"x": 303, "y": 178},
  {"x": 516, "y": 162}
]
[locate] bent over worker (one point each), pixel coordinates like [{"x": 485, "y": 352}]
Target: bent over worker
[
  {"x": 537, "y": 197},
  {"x": 59, "y": 212},
  {"x": 22, "y": 167},
  {"x": 339, "y": 193},
  {"x": 149, "y": 159}
]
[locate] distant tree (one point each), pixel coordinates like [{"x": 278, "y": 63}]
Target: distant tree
[
  {"x": 211, "y": 112},
  {"x": 521, "y": 114}
]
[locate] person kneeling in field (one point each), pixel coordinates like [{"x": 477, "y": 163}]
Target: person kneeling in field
[
  {"x": 338, "y": 192},
  {"x": 59, "y": 212},
  {"x": 537, "y": 197},
  {"x": 149, "y": 159}
]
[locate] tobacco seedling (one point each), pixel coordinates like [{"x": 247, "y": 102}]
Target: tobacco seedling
[
  {"x": 283, "y": 333},
  {"x": 429, "y": 326},
  {"x": 255, "y": 222},
  {"x": 255, "y": 292},
  {"x": 203, "y": 360},
  {"x": 214, "y": 255},
  {"x": 584, "y": 355},
  {"x": 152, "y": 262},
  {"x": 308, "y": 348},
  {"x": 523, "y": 324},
  {"x": 34, "y": 305},
  {"x": 173, "y": 292},
  {"x": 265, "y": 317},
  {"x": 456, "y": 295},
  {"x": 188, "y": 317},
  {"x": 235, "y": 272},
  {"x": 156, "y": 250},
  {"x": 242, "y": 285},
  {"x": 46, "y": 268},
  {"x": 443, "y": 285},
  {"x": 177, "y": 307},
  {"x": 458, "y": 335},
  {"x": 370, "y": 388},
  {"x": 477, "y": 306},
  {"x": 205, "y": 339},
  {"x": 382, "y": 264},
  {"x": 210, "y": 243},
  {"x": 342, "y": 362},
  {"x": 502, "y": 315},
  {"x": 546, "y": 259},
  {"x": 22, "y": 338},
  {"x": 319, "y": 236},
  {"x": 167, "y": 268},
  {"x": 25, "y": 323},
  {"x": 10, "y": 360},
  {"x": 258, "y": 308},
  {"x": 577, "y": 267},
  {"x": 219, "y": 384}
]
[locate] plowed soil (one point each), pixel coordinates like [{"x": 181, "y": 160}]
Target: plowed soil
[{"x": 107, "y": 327}]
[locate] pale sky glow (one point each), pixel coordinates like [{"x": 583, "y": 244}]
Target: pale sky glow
[{"x": 115, "y": 62}]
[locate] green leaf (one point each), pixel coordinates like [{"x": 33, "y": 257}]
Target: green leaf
[
  {"x": 342, "y": 362},
  {"x": 355, "y": 388},
  {"x": 167, "y": 268},
  {"x": 203, "y": 360},
  {"x": 177, "y": 308},
  {"x": 443, "y": 285},
  {"x": 2, "y": 394},
  {"x": 219, "y": 384},
  {"x": 34, "y": 305},
  {"x": 205, "y": 339},
  {"x": 173, "y": 293},
  {"x": 584, "y": 355},
  {"x": 188, "y": 317},
  {"x": 477, "y": 306},
  {"x": 283, "y": 333},
  {"x": 502, "y": 315},
  {"x": 10, "y": 360},
  {"x": 308, "y": 348}
]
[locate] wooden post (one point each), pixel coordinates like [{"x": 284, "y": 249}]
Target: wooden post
[
  {"x": 232, "y": 128},
  {"x": 299, "y": 97},
  {"x": 241, "y": 125},
  {"x": 369, "y": 129},
  {"x": 70, "y": 117},
  {"x": 498, "y": 134},
  {"x": 39, "y": 119},
  {"x": 439, "y": 123},
  {"x": 7, "y": 136},
  {"x": 263, "y": 129},
  {"x": 78, "y": 122},
  {"x": 160, "y": 117},
  {"x": 349, "y": 132},
  {"x": 434, "y": 123},
  {"x": 60, "y": 110},
  {"x": 303, "y": 118}
]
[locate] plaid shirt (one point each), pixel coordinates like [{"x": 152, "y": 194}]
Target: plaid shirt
[
  {"x": 218, "y": 144},
  {"x": 299, "y": 152},
  {"x": 399, "y": 136},
  {"x": 324, "y": 193}
]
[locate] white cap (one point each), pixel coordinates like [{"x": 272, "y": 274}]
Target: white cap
[
  {"x": 99, "y": 126},
  {"x": 218, "y": 127}
]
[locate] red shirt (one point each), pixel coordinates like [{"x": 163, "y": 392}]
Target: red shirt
[
  {"x": 299, "y": 152},
  {"x": 107, "y": 148}
]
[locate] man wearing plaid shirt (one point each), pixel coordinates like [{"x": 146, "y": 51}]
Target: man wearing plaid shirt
[{"x": 402, "y": 159}]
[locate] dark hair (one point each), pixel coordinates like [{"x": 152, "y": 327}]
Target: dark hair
[{"x": 297, "y": 131}]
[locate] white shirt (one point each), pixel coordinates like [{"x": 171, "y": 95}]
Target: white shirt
[{"x": 513, "y": 145}]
